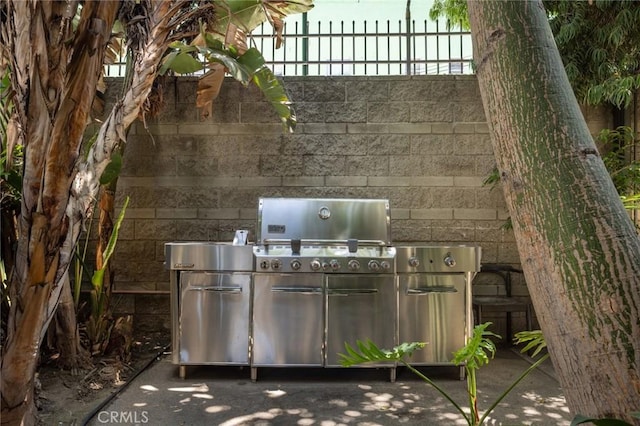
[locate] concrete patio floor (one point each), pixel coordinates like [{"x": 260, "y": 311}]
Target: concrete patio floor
[{"x": 225, "y": 395}]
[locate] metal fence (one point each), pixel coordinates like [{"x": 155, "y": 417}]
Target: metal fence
[{"x": 362, "y": 48}]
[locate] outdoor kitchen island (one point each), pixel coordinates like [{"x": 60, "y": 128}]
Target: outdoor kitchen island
[{"x": 321, "y": 272}]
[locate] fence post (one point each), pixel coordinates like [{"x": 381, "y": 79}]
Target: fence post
[
  {"x": 408, "y": 30},
  {"x": 305, "y": 44}
]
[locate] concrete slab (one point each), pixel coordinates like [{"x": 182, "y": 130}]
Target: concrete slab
[{"x": 214, "y": 395}]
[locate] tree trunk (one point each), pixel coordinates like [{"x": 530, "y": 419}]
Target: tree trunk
[
  {"x": 579, "y": 249},
  {"x": 64, "y": 335},
  {"x": 54, "y": 75}
]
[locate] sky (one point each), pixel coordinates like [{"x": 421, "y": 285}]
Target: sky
[
  {"x": 351, "y": 15},
  {"x": 368, "y": 9}
]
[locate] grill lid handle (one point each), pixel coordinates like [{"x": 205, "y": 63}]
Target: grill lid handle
[
  {"x": 295, "y": 246},
  {"x": 352, "y": 243}
]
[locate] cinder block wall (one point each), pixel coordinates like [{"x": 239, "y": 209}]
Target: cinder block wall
[{"x": 420, "y": 141}]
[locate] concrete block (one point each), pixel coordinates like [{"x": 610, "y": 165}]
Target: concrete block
[
  {"x": 410, "y": 231},
  {"x": 431, "y": 181},
  {"x": 325, "y": 128},
  {"x": 442, "y": 128},
  {"x": 469, "y": 109},
  {"x": 225, "y": 213},
  {"x": 471, "y": 144},
  {"x": 475, "y": 214},
  {"x": 360, "y": 165},
  {"x": 428, "y": 214},
  {"x": 322, "y": 165},
  {"x": 367, "y": 90},
  {"x": 153, "y": 229},
  {"x": 464, "y": 128},
  {"x": 303, "y": 181},
  {"x": 405, "y": 165},
  {"x": 345, "y": 112},
  {"x": 430, "y": 111},
  {"x": 325, "y": 90},
  {"x": 196, "y": 165},
  {"x": 345, "y": 181},
  {"x": 396, "y": 112},
  {"x": 197, "y": 197},
  {"x": 391, "y": 144},
  {"x": 433, "y": 144},
  {"x": 244, "y": 166},
  {"x": 468, "y": 181},
  {"x": 251, "y": 129},
  {"x": 409, "y": 128},
  {"x": 309, "y": 112},
  {"x": 139, "y": 213},
  {"x": 370, "y": 128},
  {"x": 258, "y": 112},
  {"x": 400, "y": 214},
  {"x": 420, "y": 88},
  {"x": 389, "y": 181}
]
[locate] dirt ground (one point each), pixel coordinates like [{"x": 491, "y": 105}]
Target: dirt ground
[{"x": 66, "y": 398}]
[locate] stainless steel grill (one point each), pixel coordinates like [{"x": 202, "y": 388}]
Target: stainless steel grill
[
  {"x": 310, "y": 292},
  {"x": 324, "y": 235},
  {"x": 321, "y": 272}
]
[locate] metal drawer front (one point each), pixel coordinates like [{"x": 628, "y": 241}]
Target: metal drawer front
[
  {"x": 288, "y": 320},
  {"x": 360, "y": 307},
  {"x": 214, "y": 319},
  {"x": 432, "y": 310}
]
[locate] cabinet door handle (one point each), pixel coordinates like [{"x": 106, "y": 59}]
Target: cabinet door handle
[
  {"x": 431, "y": 290},
  {"x": 217, "y": 289},
  {"x": 297, "y": 290},
  {"x": 348, "y": 291}
]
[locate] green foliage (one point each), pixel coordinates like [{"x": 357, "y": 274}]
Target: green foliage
[
  {"x": 249, "y": 14},
  {"x": 534, "y": 341},
  {"x": 599, "y": 42},
  {"x": 11, "y": 157},
  {"x": 600, "y": 46},
  {"x": 579, "y": 419},
  {"x": 618, "y": 146},
  {"x": 112, "y": 171},
  {"x": 478, "y": 351},
  {"x": 99, "y": 324},
  {"x": 369, "y": 352},
  {"x": 453, "y": 10},
  {"x": 250, "y": 67}
]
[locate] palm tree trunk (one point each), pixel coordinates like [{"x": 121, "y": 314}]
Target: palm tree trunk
[{"x": 580, "y": 251}]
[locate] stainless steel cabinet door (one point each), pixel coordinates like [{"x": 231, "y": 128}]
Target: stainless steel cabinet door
[
  {"x": 432, "y": 310},
  {"x": 214, "y": 317},
  {"x": 287, "y": 320},
  {"x": 360, "y": 307}
]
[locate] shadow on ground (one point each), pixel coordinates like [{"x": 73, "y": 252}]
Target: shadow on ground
[{"x": 225, "y": 395}]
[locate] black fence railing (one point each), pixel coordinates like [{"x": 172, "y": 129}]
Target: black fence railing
[{"x": 362, "y": 48}]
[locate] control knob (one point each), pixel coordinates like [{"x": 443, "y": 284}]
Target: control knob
[
  {"x": 353, "y": 265},
  {"x": 374, "y": 265},
  {"x": 276, "y": 264},
  {"x": 315, "y": 265},
  {"x": 295, "y": 264},
  {"x": 385, "y": 265},
  {"x": 449, "y": 261},
  {"x": 264, "y": 264},
  {"x": 335, "y": 265},
  {"x": 414, "y": 262}
]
